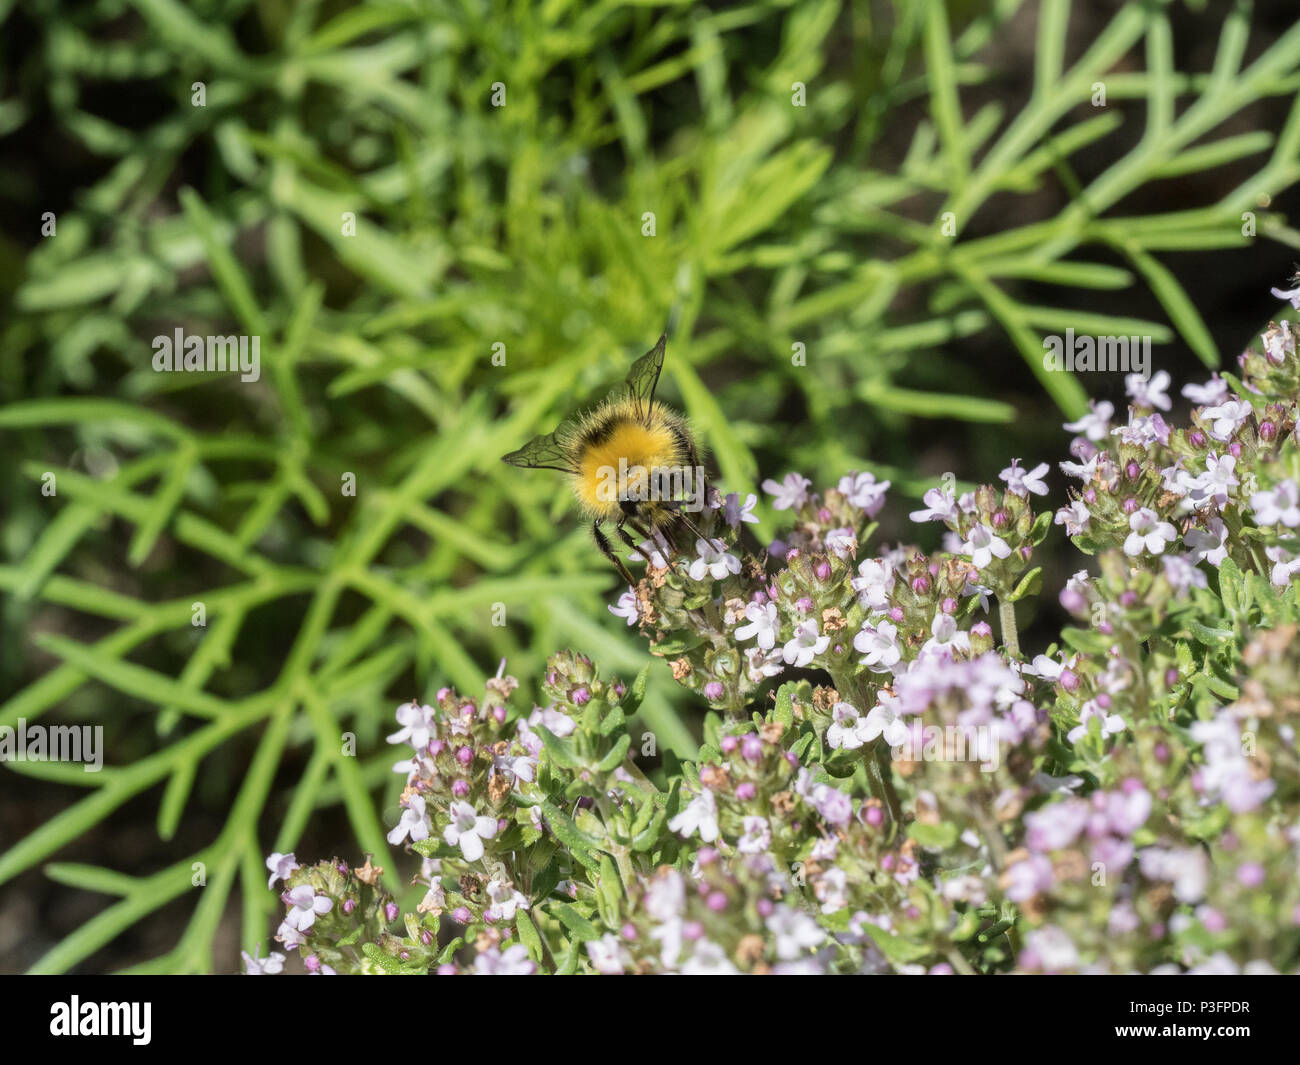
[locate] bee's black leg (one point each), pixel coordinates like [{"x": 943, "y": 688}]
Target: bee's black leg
[
  {"x": 633, "y": 544},
  {"x": 602, "y": 541},
  {"x": 676, "y": 507}
]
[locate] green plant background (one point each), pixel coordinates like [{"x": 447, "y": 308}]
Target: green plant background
[{"x": 775, "y": 225}]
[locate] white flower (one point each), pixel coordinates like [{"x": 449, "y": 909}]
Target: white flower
[
  {"x": 939, "y": 506},
  {"x": 842, "y": 543},
  {"x": 1148, "y": 533},
  {"x": 557, "y": 722},
  {"x": 879, "y": 646},
  {"x": 945, "y": 637},
  {"x": 1279, "y": 343},
  {"x": 805, "y": 646},
  {"x": 757, "y": 835},
  {"x": 713, "y": 560},
  {"x": 1182, "y": 573},
  {"x": 1042, "y": 666},
  {"x": 846, "y": 728},
  {"x": 304, "y": 906},
  {"x": 1215, "y": 390},
  {"x": 763, "y": 623},
  {"x": 700, "y": 816},
  {"x": 1226, "y": 416},
  {"x": 864, "y": 492},
  {"x": 790, "y": 494},
  {"x": 881, "y": 720},
  {"x": 417, "y": 725},
  {"x": 513, "y": 961},
  {"x": 656, "y": 547},
  {"x": 1217, "y": 479},
  {"x": 666, "y": 896},
  {"x": 626, "y": 607},
  {"x": 1095, "y": 425},
  {"x": 1150, "y": 393},
  {"x": 874, "y": 582},
  {"x": 983, "y": 545},
  {"x": 281, "y": 865},
  {"x": 1208, "y": 544},
  {"x": 1055, "y": 950},
  {"x": 1186, "y": 868},
  {"x": 1285, "y": 565},
  {"x": 272, "y": 964},
  {"x": 1278, "y": 505},
  {"x": 1289, "y": 294},
  {"x": 793, "y": 932},
  {"x": 468, "y": 830},
  {"x": 734, "y": 512},
  {"x": 608, "y": 955},
  {"x": 760, "y": 664},
  {"x": 1111, "y": 724},
  {"x": 1083, "y": 471},
  {"x": 1022, "y": 482},
  {"x": 435, "y": 899},
  {"x": 708, "y": 959},
  {"x": 1143, "y": 430},
  {"x": 831, "y": 889},
  {"x": 1075, "y": 517},
  {"x": 413, "y": 822},
  {"x": 505, "y": 900}
]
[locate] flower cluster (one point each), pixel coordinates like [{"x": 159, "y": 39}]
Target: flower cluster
[{"x": 885, "y": 782}]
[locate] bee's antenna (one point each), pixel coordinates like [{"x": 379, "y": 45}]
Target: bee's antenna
[{"x": 681, "y": 287}]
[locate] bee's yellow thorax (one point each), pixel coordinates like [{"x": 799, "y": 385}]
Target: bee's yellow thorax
[{"x": 640, "y": 447}]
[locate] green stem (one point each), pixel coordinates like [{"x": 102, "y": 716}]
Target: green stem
[
  {"x": 882, "y": 783},
  {"x": 1010, "y": 638}
]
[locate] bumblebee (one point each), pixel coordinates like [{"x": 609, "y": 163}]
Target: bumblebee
[{"x": 632, "y": 462}]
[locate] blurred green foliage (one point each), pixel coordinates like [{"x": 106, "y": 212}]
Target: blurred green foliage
[{"x": 752, "y": 133}]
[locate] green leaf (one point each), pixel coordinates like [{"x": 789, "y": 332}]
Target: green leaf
[
  {"x": 583, "y": 930},
  {"x": 528, "y": 935},
  {"x": 1030, "y": 584}
]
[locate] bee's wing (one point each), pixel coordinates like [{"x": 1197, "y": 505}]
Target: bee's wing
[
  {"x": 644, "y": 376},
  {"x": 541, "y": 453}
]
